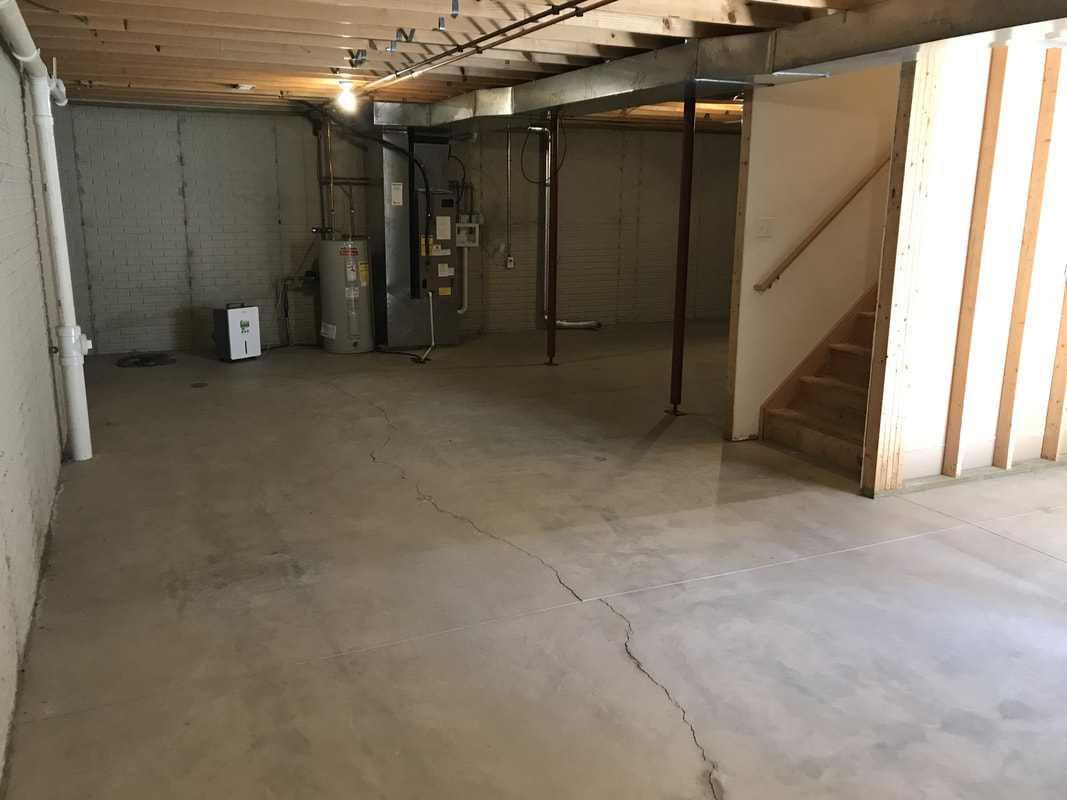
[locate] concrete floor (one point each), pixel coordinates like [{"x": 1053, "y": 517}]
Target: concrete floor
[{"x": 317, "y": 576}]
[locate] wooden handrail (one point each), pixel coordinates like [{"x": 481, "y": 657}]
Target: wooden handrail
[{"x": 767, "y": 282}]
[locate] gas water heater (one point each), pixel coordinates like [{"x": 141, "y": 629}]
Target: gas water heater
[{"x": 347, "y": 299}]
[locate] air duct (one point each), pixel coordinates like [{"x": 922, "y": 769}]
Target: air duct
[{"x": 744, "y": 59}]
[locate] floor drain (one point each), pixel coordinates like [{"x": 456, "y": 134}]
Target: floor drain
[{"x": 146, "y": 360}]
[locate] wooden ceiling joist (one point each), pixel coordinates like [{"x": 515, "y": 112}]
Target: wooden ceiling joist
[{"x": 111, "y": 49}]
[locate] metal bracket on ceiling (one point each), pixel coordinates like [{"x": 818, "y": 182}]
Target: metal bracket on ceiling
[{"x": 455, "y": 8}]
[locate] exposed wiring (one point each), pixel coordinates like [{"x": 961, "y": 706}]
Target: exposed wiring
[
  {"x": 463, "y": 181},
  {"x": 413, "y": 356},
  {"x": 274, "y": 317},
  {"x": 304, "y": 260},
  {"x": 559, "y": 166},
  {"x": 81, "y": 18}
]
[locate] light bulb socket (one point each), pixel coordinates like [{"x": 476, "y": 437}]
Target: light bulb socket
[{"x": 346, "y": 99}]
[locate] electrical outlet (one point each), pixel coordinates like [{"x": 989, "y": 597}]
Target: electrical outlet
[{"x": 511, "y": 262}]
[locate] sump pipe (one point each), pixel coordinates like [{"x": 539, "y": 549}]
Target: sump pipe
[
  {"x": 71, "y": 342},
  {"x": 550, "y": 180}
]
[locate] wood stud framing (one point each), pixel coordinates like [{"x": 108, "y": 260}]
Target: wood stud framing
[
  {"x": 998, "y": 62},
  {"x": 739, "y": 252},
  {"x": 1003, "y": 448},
  {"x": 1052, "y": 443},
  {"x": 882, "y": 447}
]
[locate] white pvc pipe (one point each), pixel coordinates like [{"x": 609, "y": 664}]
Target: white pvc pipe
[{"x": 71, "y": 343}]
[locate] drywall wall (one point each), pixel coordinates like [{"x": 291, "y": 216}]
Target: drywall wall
[
  {"x": 811, "y": 142},
  {"x": 936, "y": 214},
  {"x": 30, "y": 432},
  {"x": 174, "y": 212}
]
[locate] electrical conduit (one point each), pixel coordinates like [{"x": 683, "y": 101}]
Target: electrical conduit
[
  {"x": 72, "y": 343},
  {"x": 550, "y": 177}
]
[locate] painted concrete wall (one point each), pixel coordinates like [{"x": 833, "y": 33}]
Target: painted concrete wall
[
  {"x": 937, "y": 210},
  {"x": 174, "y": 212},
  {"x": 618, "y": 227},
  {"x": 811, "y": 143},
  {"x": 30, "y": 433}
]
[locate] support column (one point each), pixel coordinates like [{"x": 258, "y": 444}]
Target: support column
[{"x": 681, "y": 274}]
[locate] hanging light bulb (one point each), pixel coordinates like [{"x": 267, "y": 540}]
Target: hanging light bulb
[{"x": 346, "y": 99}]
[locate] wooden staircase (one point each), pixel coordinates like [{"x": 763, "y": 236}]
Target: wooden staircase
[{"x": 821, "y": 408}]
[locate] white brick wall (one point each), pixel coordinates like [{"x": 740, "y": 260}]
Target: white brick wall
[
  {"x": 173, "y": 213},
  {"x": 618, "y": 228},
  {"x": 179, "y": 212},
  {"x": 29, "y": 425}
]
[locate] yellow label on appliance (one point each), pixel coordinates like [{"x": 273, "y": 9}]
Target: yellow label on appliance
[
  {"x": 445, "y": 292},
  {"x": 364, "y": 271}
]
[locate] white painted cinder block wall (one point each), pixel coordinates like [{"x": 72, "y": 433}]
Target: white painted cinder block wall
[
  {"x": 618, "y": 227},
  {"x": 30, "y": 428},
  {"x": 811, "y": 143},
  {"x": 174, "y": 212}
]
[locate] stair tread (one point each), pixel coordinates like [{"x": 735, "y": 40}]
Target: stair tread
[
  {"x": 848, "y": 347},
  {"x": 836, "y": 383},
  {"x": 824, "y": 426}
]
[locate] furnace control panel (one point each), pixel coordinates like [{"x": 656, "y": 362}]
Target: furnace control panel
[{"x": 440, "y": 252}]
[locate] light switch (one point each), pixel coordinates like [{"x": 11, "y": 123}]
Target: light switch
[{"x": 765, "y": 227}]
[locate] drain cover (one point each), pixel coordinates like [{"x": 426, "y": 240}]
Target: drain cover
[{"x": 146, "y": 360}]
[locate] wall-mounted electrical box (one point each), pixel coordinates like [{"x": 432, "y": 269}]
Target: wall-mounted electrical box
[{"x": 468, "y": 234}]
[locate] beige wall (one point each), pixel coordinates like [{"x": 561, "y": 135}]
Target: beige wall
[
  {"x": 936, "y": 220},
  {"x": 811, "y": 143}
]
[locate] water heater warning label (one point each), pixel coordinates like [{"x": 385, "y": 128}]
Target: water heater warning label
[
  {"x": 328, "y": 331},
  {"x": 398, "y": 194}
]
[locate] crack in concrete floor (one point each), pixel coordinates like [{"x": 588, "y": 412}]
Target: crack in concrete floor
[{"x": 712, "y": 769}]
